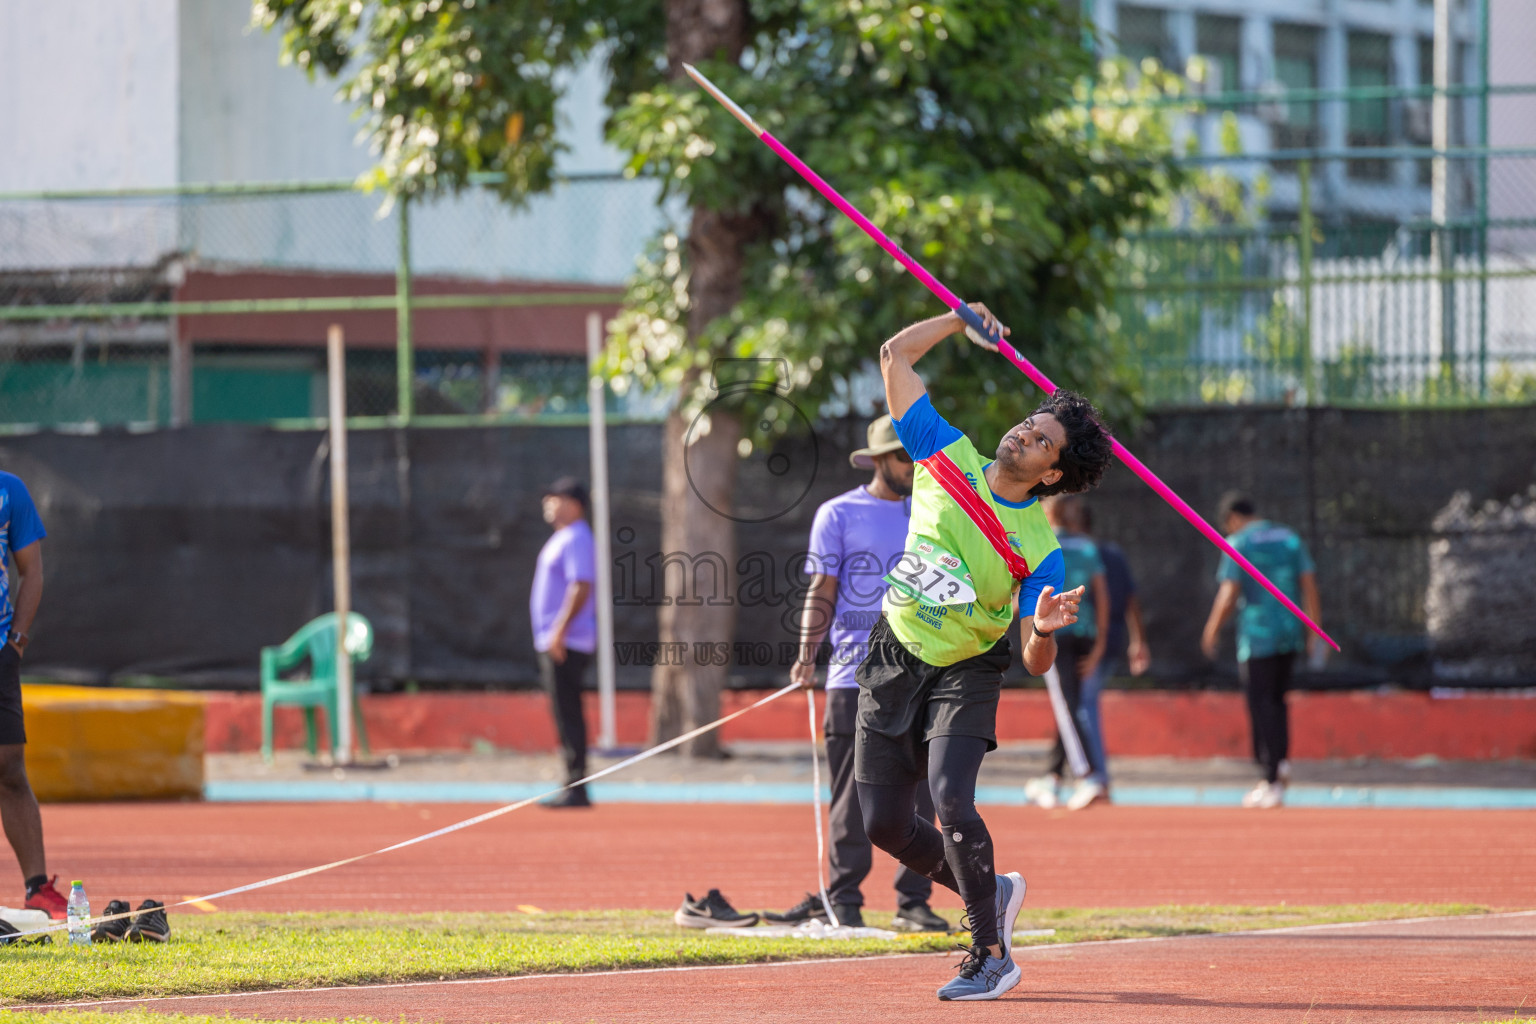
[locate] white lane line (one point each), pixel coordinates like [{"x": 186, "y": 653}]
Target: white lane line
[{"x": 691, "y": 968}]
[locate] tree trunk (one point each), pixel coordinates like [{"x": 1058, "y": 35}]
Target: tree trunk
[
  {"x": 699, "y": 548},
  {"x": 699, "y": 462}
]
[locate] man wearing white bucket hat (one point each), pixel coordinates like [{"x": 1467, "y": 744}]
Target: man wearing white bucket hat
[{"x": 855, "y": 538}]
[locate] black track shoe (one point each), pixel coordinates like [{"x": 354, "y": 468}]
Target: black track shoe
[
  {"x": 568, "y": 798},
  {"x": 920, "y": 918},
  {"x": 149, "y": 923},
  {"x": 848, "y": 915},
  {"x": 808, "y": 909},
  {"x": 10, "y": 934},
  {"x": 713, "y": 911},
  {"x": 112, "y": 931}
]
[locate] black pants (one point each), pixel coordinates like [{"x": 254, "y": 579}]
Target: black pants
[
  {"x": 960, "y": 857},
  {"x": 1265, "y": 681},
  {"x": 1068, "y": 650},
  {"x": 563, "y": 684},
  {"x": 851, "y": 855},
  {"x": 12, "y": 730}
]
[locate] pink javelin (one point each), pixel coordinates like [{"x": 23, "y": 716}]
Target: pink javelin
[{"x": 965, "y": 312}]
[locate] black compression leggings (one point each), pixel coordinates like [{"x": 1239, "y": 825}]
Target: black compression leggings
[{"x": 960, "y": 856}]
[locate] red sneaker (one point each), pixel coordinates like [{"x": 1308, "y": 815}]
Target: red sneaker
[{"x": 49, "y": 900}]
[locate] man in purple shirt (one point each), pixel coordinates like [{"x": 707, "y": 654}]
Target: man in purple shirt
[
  {"x": 565, "y": 624},
  {"x": 855, "y": 538}
]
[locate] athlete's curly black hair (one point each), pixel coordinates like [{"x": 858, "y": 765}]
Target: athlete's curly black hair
[{"x": 1085, "y": 456}]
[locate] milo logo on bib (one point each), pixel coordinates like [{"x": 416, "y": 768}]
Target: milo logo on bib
[{"x": 929, "y": 575}]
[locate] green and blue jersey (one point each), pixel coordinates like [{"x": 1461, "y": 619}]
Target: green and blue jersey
[
  {"x": 944, "y": 635},
  {"x": 1083, "y": 562},
  {"x": 1265, "y": 627}
]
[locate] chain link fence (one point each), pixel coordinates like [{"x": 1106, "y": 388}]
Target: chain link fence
[
  {"x": 1382, "y": 250},
  {"x": 1364, "y": 315}
]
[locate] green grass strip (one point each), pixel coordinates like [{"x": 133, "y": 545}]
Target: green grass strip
[{"x": 233, "y": 952}]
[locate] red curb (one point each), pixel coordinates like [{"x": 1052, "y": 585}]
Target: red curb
[{"x": 1136, "y": 723}]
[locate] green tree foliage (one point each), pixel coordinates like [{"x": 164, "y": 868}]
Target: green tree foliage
[{"x": 940, "y": 119}]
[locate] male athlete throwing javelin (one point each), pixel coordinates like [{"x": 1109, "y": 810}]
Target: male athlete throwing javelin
[{"x": 928, "y": 687}]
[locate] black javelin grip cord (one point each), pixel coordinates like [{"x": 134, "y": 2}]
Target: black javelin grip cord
[
  {"x": 968, "y": 315},
  {"x": 445, "y": 830}
]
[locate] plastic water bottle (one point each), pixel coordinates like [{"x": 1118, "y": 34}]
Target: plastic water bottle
[{"x": 78, "y": 912}]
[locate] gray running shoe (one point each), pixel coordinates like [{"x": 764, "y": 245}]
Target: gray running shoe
[
  {"x": 1010, "y": 898},
  {"x": 982, "y": 976}
]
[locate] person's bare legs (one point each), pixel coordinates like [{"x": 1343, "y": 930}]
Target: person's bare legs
[{"x": 18, "y": 810}]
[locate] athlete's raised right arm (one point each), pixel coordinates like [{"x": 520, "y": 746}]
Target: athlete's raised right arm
[{"x": 902, "y": 384}]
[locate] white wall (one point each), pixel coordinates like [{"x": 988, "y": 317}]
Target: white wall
[
  {"x": 1512, "y": 119},
  {"x": 134, "y": 93},
  {"x": 87, "y": 100},
  {"x": 244, "y": 117},
  {"x": 89, "y": 94}
]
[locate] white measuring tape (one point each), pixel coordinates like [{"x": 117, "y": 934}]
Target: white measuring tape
[
  {"x": 821, "y": 844},
  {"x": 476, "y": 820},
  {"x": 1066, "y": 727}
]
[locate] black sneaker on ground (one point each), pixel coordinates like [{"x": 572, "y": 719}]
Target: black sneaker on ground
[
  {"x": 808, "y": 909},
  {"x": 920, "y": 918},
  {"x": 713, "y": 911},
  {"x": 149, "y": 923},
  {"x": 112, "y": 931},
  {"x": 574, "y": 797},
  {"x": 848, "y": 914},
  {"x": 9, "y": 934}
]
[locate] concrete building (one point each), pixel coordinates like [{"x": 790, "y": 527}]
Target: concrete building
[
  {"x": 1260, "y": 46},
  {"x": 150, "y": 94}
]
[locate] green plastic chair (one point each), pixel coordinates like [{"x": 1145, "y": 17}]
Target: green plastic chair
[{"x": 316, "y": 640}]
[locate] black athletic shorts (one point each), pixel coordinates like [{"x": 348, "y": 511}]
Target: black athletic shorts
[
  {"x": 904, "y": 702},
  {"x": 11, "y": 730}
]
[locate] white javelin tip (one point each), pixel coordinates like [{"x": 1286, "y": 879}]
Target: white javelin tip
[{"x": 724, "y": 100}]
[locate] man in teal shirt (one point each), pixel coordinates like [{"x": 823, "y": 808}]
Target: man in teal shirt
[{"x": 1268, "y": 635}]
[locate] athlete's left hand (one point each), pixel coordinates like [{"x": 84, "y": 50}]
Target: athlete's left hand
[{"x": 1052, "y": 610}]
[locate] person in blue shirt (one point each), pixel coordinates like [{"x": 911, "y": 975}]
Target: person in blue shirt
[
  {"x": 1126, "y": 647},
  {"x": 1268, "y": 635},
  {"x": 21, "y": 536}
]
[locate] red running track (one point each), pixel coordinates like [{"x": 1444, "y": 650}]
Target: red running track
[
  {"x": 1444, "y": 971},
  {"x": 647, "y": 856}
]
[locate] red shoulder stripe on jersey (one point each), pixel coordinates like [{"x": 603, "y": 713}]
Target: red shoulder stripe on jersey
[{"x": 950, "y": 477}]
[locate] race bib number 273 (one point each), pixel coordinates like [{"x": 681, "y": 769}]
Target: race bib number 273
[{"x": 930, "y": 575}]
